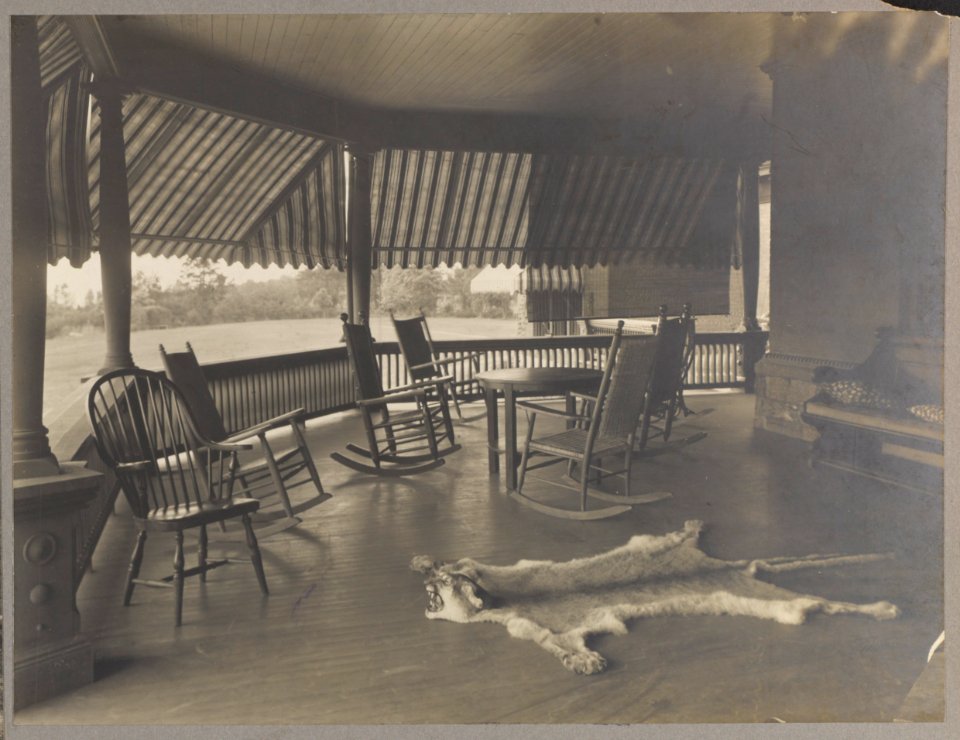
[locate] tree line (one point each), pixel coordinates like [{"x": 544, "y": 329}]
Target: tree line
[{"x": 202, "y": 295}]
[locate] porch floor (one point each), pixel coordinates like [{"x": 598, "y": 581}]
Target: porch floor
[{"x": 342, "y": 638}]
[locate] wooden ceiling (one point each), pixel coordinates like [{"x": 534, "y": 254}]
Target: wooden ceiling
[
  {"x": 613, "y": 65},
  {"x": 699, "y": 71}
]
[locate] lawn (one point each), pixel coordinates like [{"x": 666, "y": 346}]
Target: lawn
[{"x": 69, "y": 359}]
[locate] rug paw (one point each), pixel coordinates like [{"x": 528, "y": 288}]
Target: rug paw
[
  {"x": 585, "y": 663},
  {"x": 884, "y": 610}
]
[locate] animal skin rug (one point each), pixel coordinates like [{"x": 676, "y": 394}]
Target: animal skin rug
[{"x": 558, "y": 605}]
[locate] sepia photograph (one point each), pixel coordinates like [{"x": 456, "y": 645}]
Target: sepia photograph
[{"x": 515, "y": 368}]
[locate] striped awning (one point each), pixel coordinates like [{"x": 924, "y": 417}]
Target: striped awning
[
  {"x": 587, "y": 210},
  {"x": 205, "y": 184},
  {"x": 478, "y": 208},
  {"x": 431, "y": 208},
  {"x": 550, "y": 279},
  {"x": 201, "y": 183},
  {"x": 62, "y": 75}
]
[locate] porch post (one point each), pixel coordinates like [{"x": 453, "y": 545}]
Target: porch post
[
  {"x": 31, "y": 447},
  {"x": 361, "y": 237},
  {"x": 115, "y": 249},
  {"x": 749, "y": 228},
  {"x": 50, "y": 654}
]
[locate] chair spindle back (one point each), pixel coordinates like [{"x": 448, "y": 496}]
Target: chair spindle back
[{"x": 145, "y": 433}]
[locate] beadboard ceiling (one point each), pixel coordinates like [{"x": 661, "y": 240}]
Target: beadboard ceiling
[{"x": 548, "y": 64}]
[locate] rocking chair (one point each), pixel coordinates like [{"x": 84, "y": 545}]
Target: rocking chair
[
  {"x": 609, "y": 430},
  {"x": 404, "y": 442},
  {"x": 173, "y": 478},
  {"x": 424, "y": 362},
  {"x": 669, "y": 373},
  {"x": 268, "y": 475}
]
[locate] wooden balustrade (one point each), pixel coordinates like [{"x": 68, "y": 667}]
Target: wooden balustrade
[{"x": 252, "y": 390}]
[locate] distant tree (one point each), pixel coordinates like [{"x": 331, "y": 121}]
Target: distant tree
[
  {"x": 61, "y": 295},
  {"x": 455, "y": 298},
  {"x": 408, "y": 290},
  {"x": 145, "y": 287},
  {"x": 203, "y": 286},
  {"x": 324, "y": 292}
]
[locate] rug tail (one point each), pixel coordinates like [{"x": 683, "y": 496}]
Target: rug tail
[{"x": 784, "y": 564}]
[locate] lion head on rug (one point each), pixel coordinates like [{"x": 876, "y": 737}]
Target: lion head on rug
[
  {"x": 558, "y": 605},
  {"x": 451, "y": 593}
]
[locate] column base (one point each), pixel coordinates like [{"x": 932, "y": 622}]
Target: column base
[
  {"x": 32, "y": 457},
  {"x": 783, "y": 383},
  {"x": 116, "y": 363},
  {"x": 42, "y": 674},
  {"x": 50, "y": 655}
]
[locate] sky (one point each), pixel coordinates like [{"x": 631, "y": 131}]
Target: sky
[{"x": 80, "y": 280}]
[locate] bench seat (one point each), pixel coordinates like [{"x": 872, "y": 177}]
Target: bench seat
[
  {"x": 874, "y": 420},
  {"x": 891, "y": 446}
]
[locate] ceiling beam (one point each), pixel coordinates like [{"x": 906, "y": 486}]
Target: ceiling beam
[{"x": 92, "y": 40}]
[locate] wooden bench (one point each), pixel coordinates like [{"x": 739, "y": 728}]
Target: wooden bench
[{"x": 891, "y": 445}]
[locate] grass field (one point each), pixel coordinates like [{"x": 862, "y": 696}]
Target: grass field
[{"x": 71, "y": 358}]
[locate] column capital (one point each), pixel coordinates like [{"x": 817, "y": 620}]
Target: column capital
[
  {"x": 109, "y": 91},
  {"x": 360, "y": 150}
]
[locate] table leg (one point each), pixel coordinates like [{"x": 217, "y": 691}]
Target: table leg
[
  {"x": 510, "y": 459},
  {"x": 493, "y": 457},
  {"x": 571, "y": 409}
]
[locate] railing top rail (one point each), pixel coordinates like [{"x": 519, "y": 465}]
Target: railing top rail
[{"x": 227, "y": 368}]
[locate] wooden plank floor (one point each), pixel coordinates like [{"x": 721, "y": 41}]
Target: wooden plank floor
[{"x": 342, "y": 638}]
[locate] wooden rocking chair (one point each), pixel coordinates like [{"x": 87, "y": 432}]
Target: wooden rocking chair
[
  {"x": 666, "y": 387},
  {"x": 173, "y": 478},
  {"x": 424, "y": 362},
  {"x": 404, "y": 442},
  {"x": 609, "y": 430},
  {"x": 267, "y": 476}
]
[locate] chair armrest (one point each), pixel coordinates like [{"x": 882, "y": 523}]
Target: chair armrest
[
  {"x": 583, "y": 396},
  {"x": 540, "y": 409},
  {"x": 225, "y": 446},
  {"x": 266, "y": 426},
  {"x": 134, "y": 467},
  {"x": 390, "y": 397},
  {"x": 447, "y": 361},
  {"x": 450, "y": 360},
  {"x": 422, "y": 384},
  {"x": 424, "y": 365}
]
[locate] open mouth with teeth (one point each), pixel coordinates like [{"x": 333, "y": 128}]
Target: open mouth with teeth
[{"x": 434, "y": 600}]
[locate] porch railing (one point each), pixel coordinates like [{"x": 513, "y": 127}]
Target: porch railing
[{"x": 249, "y": 391}]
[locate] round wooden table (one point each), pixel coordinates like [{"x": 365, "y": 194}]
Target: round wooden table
[{"x": 529, "y": 381}]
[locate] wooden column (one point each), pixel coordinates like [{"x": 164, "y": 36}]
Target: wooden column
[
  {"x": 749, "y": 228},
  {"x": 361, "y": 237},
  {"x": 50, "y": 654},
  {"x": 115, "y": 250},
  {"x": 31, "y": 448}
]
